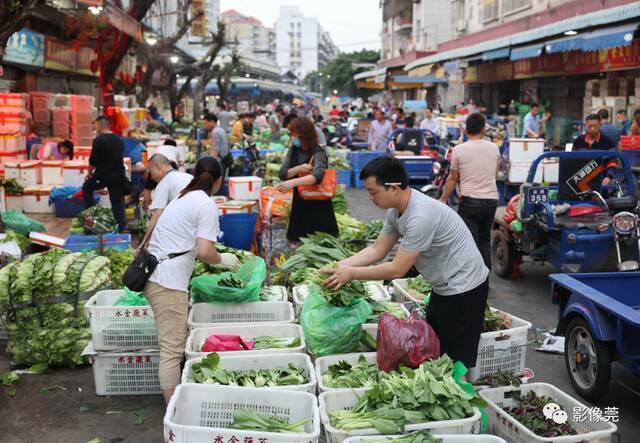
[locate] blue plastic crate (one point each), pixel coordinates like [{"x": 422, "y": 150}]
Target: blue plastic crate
[
  {"x": 634, "y": 157},
  {"x": 344, "y": 177},
  {"x": 355, "y": 180},
  {"x": 81, "y": 243},
  {"x": 418, "y": 168},
  {"x": 360, "y": 159},
  {"x": 68, "y": 207}
]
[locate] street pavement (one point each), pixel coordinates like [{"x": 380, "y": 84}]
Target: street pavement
[{"x": 76, "y": 414}]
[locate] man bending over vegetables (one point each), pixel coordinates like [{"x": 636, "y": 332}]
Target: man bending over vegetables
[{"x": 434, "y": 238}]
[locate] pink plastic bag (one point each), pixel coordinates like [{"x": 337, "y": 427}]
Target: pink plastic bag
[
  {"x": 409, "y": 342},
  {"x": 221, "y": 343}
]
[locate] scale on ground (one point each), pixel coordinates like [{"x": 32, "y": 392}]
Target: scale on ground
[{"x": 97, "y": 228}]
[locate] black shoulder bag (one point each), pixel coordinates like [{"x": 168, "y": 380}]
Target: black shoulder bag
[{"x": 138, "y": 272}]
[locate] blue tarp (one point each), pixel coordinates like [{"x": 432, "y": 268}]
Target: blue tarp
[
  {"x": 418, "y": 79},
  {"x": 526, "y": 52},
  {"x": 608, "y": 38},
  {"x": 496, "y": 54}
]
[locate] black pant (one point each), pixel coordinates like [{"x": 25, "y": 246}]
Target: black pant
[
  {"x": 116, "y": 195},
  {"x": 478, "y": 215}
]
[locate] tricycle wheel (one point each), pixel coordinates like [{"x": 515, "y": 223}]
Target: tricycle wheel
[
  {"x": 588, "y": 360},
  {"x": 503, "y": 254}
]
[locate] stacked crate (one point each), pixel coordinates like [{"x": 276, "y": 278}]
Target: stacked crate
[
  {"x": 13, "y": 126},
  {"x": 61, "y": 122},
  {"x": 40, "y": 110},
  {"x": 82, "y": 120}
]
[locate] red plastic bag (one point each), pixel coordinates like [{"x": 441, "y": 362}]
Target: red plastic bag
[
  {"x": 218, "y": 343},
  {"x": 409, "y": 342},
  {"x": 511, "y": 213}
]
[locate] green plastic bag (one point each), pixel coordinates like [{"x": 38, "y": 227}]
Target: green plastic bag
[
  {"x": 131, "y": 298},
  {"x": 516, "y": 226},
  {"x": 205, "y": 288},
  {"x": 20, "y": 223},
  {"x": 330, "y": 329}
]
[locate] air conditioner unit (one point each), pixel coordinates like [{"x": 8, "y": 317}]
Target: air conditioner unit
[{"x": 462, "y": 24}]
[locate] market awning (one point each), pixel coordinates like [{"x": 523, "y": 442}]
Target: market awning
[
  {"x": 420, "y": 79},
  {"x": 526, "y": 52},
  {"x": 609, "y": 38},
  {"x": 422, "y": 70},
  {"x": 370, "y": 74},
  {"x": 496, "y": 54},
  {"x": 451, "y": 67},
  {"x": 592, "y": 19},
  {"x": 564, "y": 45}
]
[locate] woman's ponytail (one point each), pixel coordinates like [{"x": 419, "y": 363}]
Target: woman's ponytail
[{"x": 208, "y": 171}]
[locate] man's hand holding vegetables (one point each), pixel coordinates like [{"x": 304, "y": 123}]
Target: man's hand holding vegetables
[{"x": 434, "y": 239}]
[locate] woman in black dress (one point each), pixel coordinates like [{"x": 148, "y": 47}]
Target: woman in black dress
[{"x": 297, "y": 169}]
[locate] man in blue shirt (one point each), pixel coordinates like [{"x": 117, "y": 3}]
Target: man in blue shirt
[
  {"x": 607, "y": 129},
  {"x": 623, "y": 119},
  {"x": 532, "y": 123}
]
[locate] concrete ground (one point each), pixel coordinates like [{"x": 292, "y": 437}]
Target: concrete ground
[{"x": 76, "y": 414}]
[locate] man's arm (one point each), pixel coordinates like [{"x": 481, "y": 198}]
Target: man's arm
[
  {"x": 450, "y": 185},
  {"x": 374, "y": 253}
]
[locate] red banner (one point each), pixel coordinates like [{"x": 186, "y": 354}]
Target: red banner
[
  {"x": 578, "y": 62},
  {"x": 550, "y": 65},
  {"x": 59, "y": 55},
  {"x": 522, "y": 69}
]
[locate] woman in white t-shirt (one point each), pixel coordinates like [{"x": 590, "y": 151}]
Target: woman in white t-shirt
[{"x": 188, "y": 228}]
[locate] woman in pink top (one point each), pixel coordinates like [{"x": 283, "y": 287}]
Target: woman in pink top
[{"x": 56, "y": 151}]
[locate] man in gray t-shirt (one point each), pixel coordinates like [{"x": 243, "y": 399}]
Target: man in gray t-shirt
[{"x": 435, "y": 240}]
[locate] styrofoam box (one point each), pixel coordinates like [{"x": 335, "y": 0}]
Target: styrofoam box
[
  {"x": 525, "y": 149},
  {"x": 30, "y": 173},
  {"x": 246, "y": 363},
  {"x": 12, "y": 143},
  {"x": 374, "y": 289},
  {"x": 347, "y": 399},
  {"x": 119, "y": 327},
  {"x": 13, "y": 202},
  {"x": 35, "y": 200},
  {"x": 12, "y": 169},
  {"x": 247, "y": 332},
  {"x": 203, "y": 315},
  {"x": 52, "y": 172},
  {"x": 203, "y": 413},
  {"x": 75, "y": 172},
  {"x": 551, "y": 171},
  {"x": 519, "y": 171},
  {"x": 236, "y": 207},
  {"x": 448, "y": 438},
  {"x": 504, "y": 425},
  {"x": 245, "y": 188},
  {"x": 126, "y": 373},
  {"x": 13, "y": 100},
  {"x": 322, "y": 366}
]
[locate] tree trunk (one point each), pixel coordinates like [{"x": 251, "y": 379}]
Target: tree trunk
[{"x": 198, "y": 99}]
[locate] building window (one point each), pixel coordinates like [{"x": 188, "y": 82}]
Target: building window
[
  {"x": 509, "y": 6},
  {"x": 489, "y": 10}
]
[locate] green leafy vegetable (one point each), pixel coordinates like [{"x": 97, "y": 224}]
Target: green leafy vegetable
[
  {"x": 99, "y": 214},
  {"x": 345, "y": 375},
  {"x": 412, "y": 437},
  {"x": 266, "y": 342},
  {"x": 529, "y": 413},
  {"x": 250, "y": 419},
  {"x": 9, "y": 378}
]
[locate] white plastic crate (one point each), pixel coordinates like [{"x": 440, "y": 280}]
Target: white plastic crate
[
  {"x": 502, "y": 351},
  {"x": 263, "y": 361},
  {"x": 126, "y": 373},
  {"x": 447, "y": 438},
  {"x": 347, "y": 399},
  {"x": 374, "y": 289},
  {"x": 322, "y": 365},
  {"x": 247, "y": 332},
  {"x": 203, "y": 315},
  {"x": 203, "y": 413},
  {"x": 245, "y": 188},
  {"x": 74, "y": 172},
  {"x": 402, "y": 293},
  {"x": 504, "y": 425},
  {"x": 120, "y": 327}
]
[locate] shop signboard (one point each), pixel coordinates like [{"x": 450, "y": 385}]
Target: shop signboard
[
  {"x": 504, "y": 70},
  {"x": 59, "y": 55},
  {"x": 84, "y": 56},
  {"x": 26, "y": 48},
  {"x": 621, "y": 57},
  {"x": 579, "y": 62},
  {"x": 198, "y": 26},
  {"x": 471, "y": 74},
  {"x": 522, "y": 69},
  {"x": 548, "y": 65}
]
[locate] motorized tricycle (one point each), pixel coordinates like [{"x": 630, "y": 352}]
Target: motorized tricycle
[
  {"x": 562, "y": 224},
  {"x": 600, "y": 319}
]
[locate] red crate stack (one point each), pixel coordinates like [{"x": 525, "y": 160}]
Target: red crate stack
[
  {"x": 61, "y": 122},
  {"x": 40, "y": 103},
  {"x": 82, "y": 119}
]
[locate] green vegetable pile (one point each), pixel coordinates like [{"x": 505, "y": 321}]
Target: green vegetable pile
[
  {"x": 119, "y": 260},
  {"x": 428, "y": 393},
  {"x": 412, "y": 437},
  {"x": 22, "y": 240},
  {"x": 315, "y": 251},
  {"x": 267, "y": 342},
  {"x": 345, "y": 375},
  {"x": 529, "y": 413},
  {"x": 496, "y": 321},
  {"x": 373, "y": 229},
  {"x": 350, "y": 228},
  {"x": 252, "y": 420},
  {"x": 208, "y": 371},
  {"x": 271, "y": 293},
  {"x": 420, "y": 288},
  {"x": 100, "y": 214},
  {"x": 12, "y": 187},
  {"x": 499, "y": 379},
  {"x": 380, "y": 308},
  {"x": 339, "y": 202},
  {"x": 39, "y": 299},
  {"x": 201, "y": 268},
  {"x": 231, "y": 282}
]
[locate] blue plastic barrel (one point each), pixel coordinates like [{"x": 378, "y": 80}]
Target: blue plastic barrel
[{"x": 238, "y": 230}]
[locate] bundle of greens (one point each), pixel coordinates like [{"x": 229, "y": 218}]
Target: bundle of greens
[
  {"x": 119, "y": 261},
  {"x": 99, "y": 214},
  {"x": 12, "y": 187},
  {"x": 380, "y": 308},
  {"x": 340, "y": 297},
  {"x": 22, "y": 240},
  {"x": 316, "y": 251},
  {"x": 412, "y": 437},
  {"x": 428, "y": 393},
  {"x": 201, "y": 268},
  {"x": 231, "y": 282},
  {"x": 529, "y": 413},
  {"x": 350, "y": 228},
  {"x": 80, "y": 273},
  {"x": 368, "y": 341},
  {"x": 339, "y": 202},
  {"x": 271, "y": 293},
  {"x": 208, "y": 371},
  {"x": 345, "y": 375},
  {"x": 252, "y": 420},
  {"x": 496, "y": 320},
  {"x": 372, "y": 229},
  {"x": 499, "y": 379},
  {"x": 419, "y": 287},
  {"x": 267, "y": 342}
]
